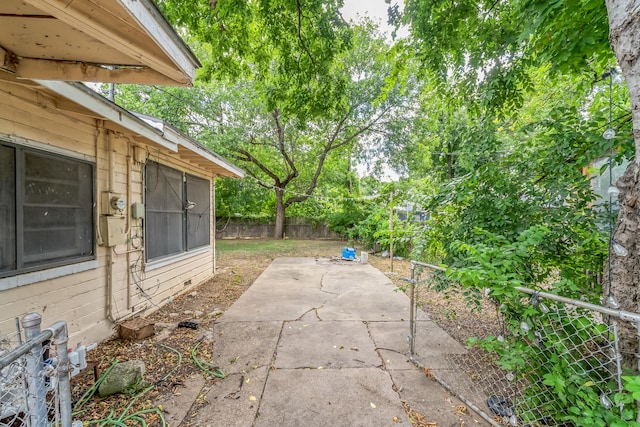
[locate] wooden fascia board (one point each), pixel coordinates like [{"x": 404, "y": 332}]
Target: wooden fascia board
[
  {"x": 106, "y": 109},
  {"x": 163, "y": 33},
  {"x": 94, "y": 27},
  {"x": 35, "y": 69}
]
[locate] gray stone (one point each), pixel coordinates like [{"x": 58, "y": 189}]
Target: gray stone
[{"x": 124, "y": 376}]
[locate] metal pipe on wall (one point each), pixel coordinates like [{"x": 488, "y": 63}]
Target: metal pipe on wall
[{"x": 128, "y": 225}]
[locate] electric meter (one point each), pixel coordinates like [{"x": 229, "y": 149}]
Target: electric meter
[{"x": 118, "y": 202}]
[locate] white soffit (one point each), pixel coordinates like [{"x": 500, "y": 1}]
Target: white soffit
[{"x": 120, "y": 41}]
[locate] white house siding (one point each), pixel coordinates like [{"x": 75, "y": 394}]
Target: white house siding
[{"x": 32, "y": 118}]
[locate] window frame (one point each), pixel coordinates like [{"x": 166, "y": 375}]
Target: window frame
[
  {"x": 22, "y": 267},
  {"x": 186, "y": 248}
]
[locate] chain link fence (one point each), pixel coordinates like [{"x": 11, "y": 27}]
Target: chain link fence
[
  {"x": 556, "y": 363},
  {"x": 34, "y": 376}
]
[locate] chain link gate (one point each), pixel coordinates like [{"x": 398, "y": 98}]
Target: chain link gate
[
  {"x": 34, "y": 376},
  {"x": 516, "y": 395}
]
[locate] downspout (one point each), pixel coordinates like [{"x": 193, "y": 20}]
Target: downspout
[
  {"x": 99, "y": 137},
  {"x": 103, "y": 140},
  {"x": 127, "y": 231},
  {"x": 109, "y": 266}
]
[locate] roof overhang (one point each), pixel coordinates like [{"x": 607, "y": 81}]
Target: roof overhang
[
  {"x": 119, "y": 41},
  {"x": 190, "y": 150},
  {"x": 84, "y": 100}
]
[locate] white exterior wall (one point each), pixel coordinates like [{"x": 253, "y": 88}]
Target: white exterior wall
[{"x": 82, "y": 293}]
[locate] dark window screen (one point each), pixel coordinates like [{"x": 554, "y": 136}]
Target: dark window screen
[
  {"x": 165, "y": 211},
  {"x": 198, "y": 212},
  {"x": 58, "y": 220},
  {"x": 46, "y": 209}
]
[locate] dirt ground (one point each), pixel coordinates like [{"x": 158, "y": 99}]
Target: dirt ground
[{"x": 174, "y": 353}]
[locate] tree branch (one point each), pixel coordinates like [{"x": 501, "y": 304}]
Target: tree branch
[
  {"x": 293, "y": 171},
  {"x": 302, "y": 42},
  {"x": 245, "y": 156}
]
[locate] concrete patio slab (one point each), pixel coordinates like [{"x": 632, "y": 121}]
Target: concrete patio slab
[
  {"x": 331, "y": 397},
  {"x": 432, "y": 344},
  {"x": 242, "y": 346},
  {"x": 432, "y": 340},
  {"x": 230, "y": 404},
  {"x": 319, "y": 342},
  {"x": 330, "y": 345},
  {"x": 274, "y": 303},
  {"x": 177, "y": 408},
  {"x": 432, "y": 400},
  {"x": 373, "y": 303}
]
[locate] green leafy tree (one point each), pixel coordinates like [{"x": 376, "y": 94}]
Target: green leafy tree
[{"x": 493, "y": 52}]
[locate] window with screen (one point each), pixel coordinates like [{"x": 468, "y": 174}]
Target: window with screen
[
  {"x": 46, "y": 210},
  {"x": 177, "y": 211},
  {"x": 198, "y": 192}
]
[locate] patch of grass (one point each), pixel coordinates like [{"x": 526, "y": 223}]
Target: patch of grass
[{"x": 279, "y": 248}]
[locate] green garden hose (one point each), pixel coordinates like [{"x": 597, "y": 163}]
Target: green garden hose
[{"x": 207, "y": 368}]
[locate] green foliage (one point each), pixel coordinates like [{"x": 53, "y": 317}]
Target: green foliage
[
  {"x": 352, "y": 213},
  {"x": 375, "y": 229},
  {"x": 290, "y": 46},
  {"x": 298, "y": 92},
  {"x": 485, "y": 48},
  {"x": 242, "y": 198},
  {"x": 561, "y": 365}
]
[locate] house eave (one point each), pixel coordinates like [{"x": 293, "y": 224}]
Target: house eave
[
  {"x": 120, "y": 41},
  {"x": 145, "y": 127},
  {"x": 193, "y": 151}
]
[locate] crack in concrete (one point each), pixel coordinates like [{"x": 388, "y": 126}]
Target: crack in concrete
[
  {"x": 322, "y": 281},
  {"x": 382, "y": 364},
  {"x": 322, "y": 286},
  {"x": 314, "y": 309},
  {"x": 271, "y": 368}
]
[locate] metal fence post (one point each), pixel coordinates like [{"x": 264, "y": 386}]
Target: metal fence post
[
  {"x": 36, "y": 398},
  {"x": 61, "y": 337}
]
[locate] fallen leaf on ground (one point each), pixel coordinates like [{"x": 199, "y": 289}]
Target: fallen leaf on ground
[{"x": 428, "y": 373}]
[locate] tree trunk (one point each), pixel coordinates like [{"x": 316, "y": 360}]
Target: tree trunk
[
  {"x": 280, "y": 210},
  {"x": 624, "y": 271}
]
